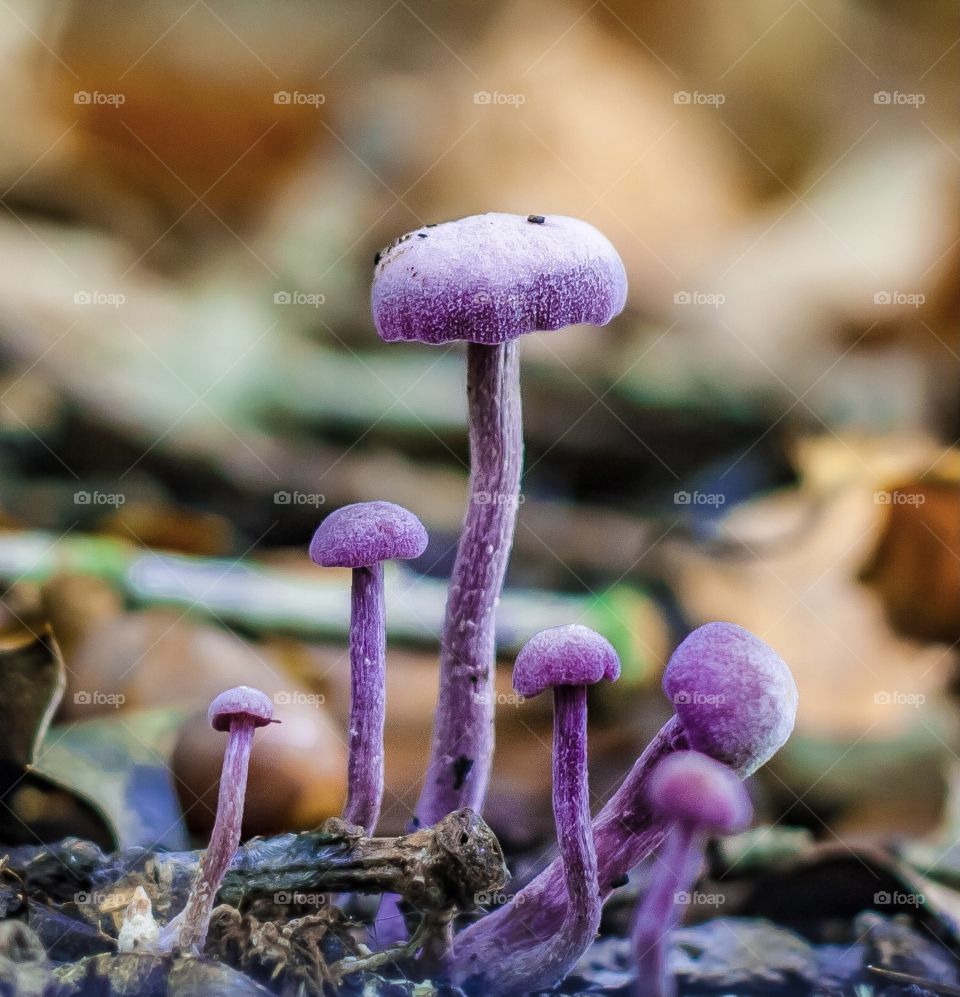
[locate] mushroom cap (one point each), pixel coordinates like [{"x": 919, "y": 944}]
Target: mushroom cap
[
  {"x": 359, "y": 535},
  {"x": 734, "y": 695},
  {"x": 571, "y": 655},
  {"x": 240, "y": 702},
  {"x": 491, "y": 278},
  {"x": 693, "y": 788}
]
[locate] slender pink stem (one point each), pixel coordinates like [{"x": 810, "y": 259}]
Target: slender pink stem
[
  {"x": 462, "y": 748},
  {"x": 367, "y": 680},
  {"x": 224, "y": 839}
]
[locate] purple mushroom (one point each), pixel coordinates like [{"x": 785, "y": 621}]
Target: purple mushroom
[
  {"x": 362, "y": 537},
  {"x": 239, "y": 712},
  {"x": 735, "y": 700},
  {"x": 568, "y": 659},
  {"x": 487, "y": 279},
  {"x": 700, "y": 798}
]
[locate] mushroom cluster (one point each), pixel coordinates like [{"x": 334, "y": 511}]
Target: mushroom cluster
[{"x": 487, "y": 280}]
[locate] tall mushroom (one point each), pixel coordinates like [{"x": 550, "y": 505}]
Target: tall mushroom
[
  {"x": 486, "y": 279},
  {"x": 736, "y": 701},
  {"x": 239, "y": 712},
  {"x": 701, "y": 798},
  {"x": 568, "y": 659},
  {"x": 362, "y": 537}
]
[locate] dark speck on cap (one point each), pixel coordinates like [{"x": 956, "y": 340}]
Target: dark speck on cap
[
  {"x": 377, "y": 256},
  {"x": 421, "y": 235},
  {"x": 536, "y": 219}
]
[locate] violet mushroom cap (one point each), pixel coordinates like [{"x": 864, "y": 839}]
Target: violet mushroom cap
[
  {"x": 240, "y": 703},
  {"x": 361, "y": 537},
  {"x": 568, "y": 655},
  {"x": 701, "y": 797},
  {"x": 491, "y": 278},
  {"x": 694, "y": 789},
  {"x": 734, "y": 695},
  {"x": 366, "y": 533}
]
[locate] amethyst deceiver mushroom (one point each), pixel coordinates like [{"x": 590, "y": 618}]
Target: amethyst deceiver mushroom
[
  {"x": 486, "y": 279},
  {"x": 736, "y": 701},
  {"x": 362, "y": 537},
  {"x": 566, "y": 659},
  {"x": 238, "y": 712},
  {"x": 701, "y": 798}
]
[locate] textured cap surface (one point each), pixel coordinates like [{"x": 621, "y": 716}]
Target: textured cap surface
[
  {"x": 693, "y": 788},
  {"x": 366, "y": 533},
  {"x": 734, "y": 695},
  {"x": 240, "y": 702},
  {"x": 571, "y": 655},
  {"x": 491, "y": 278}
]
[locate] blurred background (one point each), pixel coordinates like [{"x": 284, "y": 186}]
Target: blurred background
[{"x": 192, "y": 195}]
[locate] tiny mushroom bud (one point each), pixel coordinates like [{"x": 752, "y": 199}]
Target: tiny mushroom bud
[
  {"x": 238, "y": 712},
  {"x": 487, "y": 280},
  {"x": 362, "y": 537},
  {"x": 739, "y": 704},
  {"x": 700, "y": 798},
  {"x": 566, "y": 659}
]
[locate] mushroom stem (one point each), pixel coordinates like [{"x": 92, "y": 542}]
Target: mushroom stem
[
  {"x": 543, "y": 966},
  {"x": 658, "y": 914},
  {"x": 462, "y": 746},
  {"x": 624, "y": 833},
  {"x": 224, "y": 839},
  {"x": 367, "y": 683}
]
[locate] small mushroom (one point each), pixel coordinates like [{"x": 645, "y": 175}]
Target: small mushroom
[
  {"x": 568, "y": 659},
  {"x": 362, "y": 537},
  {"x": 239, "y": 712},
  {"x": 486, "y": 279},
  {"x": 736, "y": 701},
  {"x": 701, "y": 798}
]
